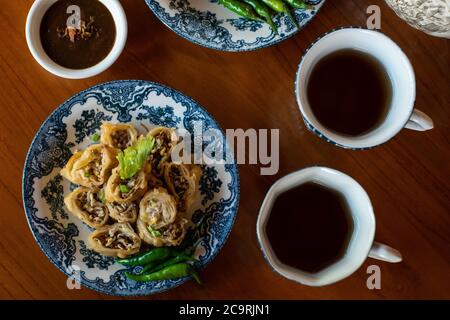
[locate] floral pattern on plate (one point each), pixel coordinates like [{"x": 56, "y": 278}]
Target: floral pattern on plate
[{"x": 211, "y": 25}]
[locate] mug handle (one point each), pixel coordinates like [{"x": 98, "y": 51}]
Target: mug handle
[
  {"x": 383, "y": 252},
  {"x": 419, "y": 121}
]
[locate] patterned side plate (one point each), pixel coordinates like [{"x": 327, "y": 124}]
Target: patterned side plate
[
  {"x": 63, "y": 237},
  {"x": 209, "y": 24}
]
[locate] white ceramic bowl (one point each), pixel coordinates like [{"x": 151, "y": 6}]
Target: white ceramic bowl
[{"x": 35, "y": 15}]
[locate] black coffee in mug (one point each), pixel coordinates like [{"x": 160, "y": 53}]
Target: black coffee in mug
[
  {"x": 309, "y": 227},
  {"x": 349, "y": 92}
]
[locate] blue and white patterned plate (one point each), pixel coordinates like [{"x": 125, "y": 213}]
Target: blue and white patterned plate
[
  {"x": 209, "y": 24},
  {"x": 63, "y": 237}
]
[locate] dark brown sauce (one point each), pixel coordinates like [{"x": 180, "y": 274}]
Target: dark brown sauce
[
  {"x": 82, "y": 53},
  {"x": 309, "y": 227},
  {"x": 349, "y": 92}
]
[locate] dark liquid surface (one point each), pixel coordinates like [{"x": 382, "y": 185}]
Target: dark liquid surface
[
  {"x": 309, "y": 227},
  {"x": 349, "y": 92},
  {"x": 82, "y": 53}
]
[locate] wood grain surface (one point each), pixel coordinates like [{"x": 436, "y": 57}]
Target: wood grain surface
[{"x": 408, "y": 179}]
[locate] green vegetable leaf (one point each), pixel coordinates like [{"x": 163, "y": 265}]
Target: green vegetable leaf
[
  {"x": 95, "y": 137},
  {"x": 124, "y": 188},
  {"x": 132, "y": 159},
  {"x": 154, "y": 232}
]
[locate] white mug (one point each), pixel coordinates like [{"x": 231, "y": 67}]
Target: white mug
[
  {"x": 401, "y": 113},
  {"x": 361, "y": 244},
  {"x": 32, "y": 32}
]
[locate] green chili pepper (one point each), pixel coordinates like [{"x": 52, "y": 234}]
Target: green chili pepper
[
  {"x": 174, "y": 271},
  {"x": 276, "y": 5},
  {"x": 196, "y": 277},
  {"x": 280, "y": 6},
  {"x": 153, "y": 267},
  {"x": 263, "y": 11},
  {"x": 95, "y": 137},
  {"x": 241, "y": 9},
  {"x": 155, "y": 254},
  {"x": 299, "y": 4}
]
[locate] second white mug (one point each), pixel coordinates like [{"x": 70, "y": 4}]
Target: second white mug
[{"x": 361, "y": 244}]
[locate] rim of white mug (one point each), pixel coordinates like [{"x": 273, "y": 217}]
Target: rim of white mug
[
  {"x": 359, "y": 244},
  {"x": 382, "y": 133},
  {"x": 32, "y": 32}
]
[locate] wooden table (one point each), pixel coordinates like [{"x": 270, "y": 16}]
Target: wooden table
[{"x": 407, "y": 178}]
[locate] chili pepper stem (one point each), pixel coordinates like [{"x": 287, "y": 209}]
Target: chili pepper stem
[
  {"x": 272, "y": 25},
  {"x": 197, "y": 278},
  {"x": 263, "y": 11},
  {"x": 289, "y": 14}
]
